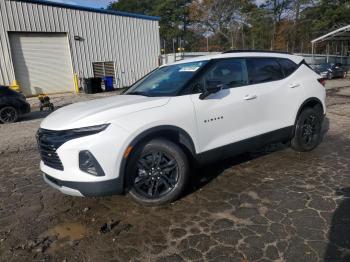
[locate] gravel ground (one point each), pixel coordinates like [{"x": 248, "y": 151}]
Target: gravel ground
[
  {"x": 23, "y": 132},
  {"x": 270, "y": 205}
]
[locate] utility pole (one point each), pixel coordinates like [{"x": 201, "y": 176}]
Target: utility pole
[
  {"x": 207, "y": 44},
  {"x": 232, "y": 41},
  {"x": 174, "y": 51},
  {"x": 174, "y": 45},
  {"x": 302, "y": 47},
  {"x": 243, "y": 43}
]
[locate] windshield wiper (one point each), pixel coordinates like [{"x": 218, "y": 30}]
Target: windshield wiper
[{"x": 137, "y": 93}]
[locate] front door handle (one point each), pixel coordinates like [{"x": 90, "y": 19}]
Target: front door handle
[
  {"x": 294, "y": 85},
  {"x": 250, "y": 97}
]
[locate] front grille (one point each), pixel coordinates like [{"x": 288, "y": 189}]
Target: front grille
[{"x": 47, "y": 143}]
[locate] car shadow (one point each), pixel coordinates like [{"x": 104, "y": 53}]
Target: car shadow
[
  {"x": 34, "y": 115},
  {"x": 325, "y": 127},
  {"x": 338, "y": 248},
  {"x": 203, "y": 175}
]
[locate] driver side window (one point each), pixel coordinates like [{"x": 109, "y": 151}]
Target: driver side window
[{"x": 230, "y": 72}]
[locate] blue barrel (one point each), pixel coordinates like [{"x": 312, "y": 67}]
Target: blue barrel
[{"x": 108, "y": 83}]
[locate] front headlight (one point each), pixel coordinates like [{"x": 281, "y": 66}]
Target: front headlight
[
  {"x": 90, "y": 130},
  {"x": 58, "y": 138},
  {"x": 83, "y": 131}
]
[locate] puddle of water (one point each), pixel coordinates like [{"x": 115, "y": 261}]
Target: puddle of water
[
  {"x": 72, "y": 231},
  {"x": 65, "y": 233}
]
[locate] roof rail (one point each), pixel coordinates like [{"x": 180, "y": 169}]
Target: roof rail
[{"x": 254, "y": 51}]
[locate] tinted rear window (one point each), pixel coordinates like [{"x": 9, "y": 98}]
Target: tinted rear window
[
  {"x": 231, "y": 72},
  {"x": 288, "y": 66},
  {"x": 264, "y": 70}
]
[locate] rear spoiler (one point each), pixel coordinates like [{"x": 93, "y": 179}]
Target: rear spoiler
[{"x": 303, "y": 62}]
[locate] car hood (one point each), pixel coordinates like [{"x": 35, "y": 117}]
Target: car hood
[{"x": 99, "y": 111}]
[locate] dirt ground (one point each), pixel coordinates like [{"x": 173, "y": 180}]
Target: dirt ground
[{"x": 273, "y": 204}]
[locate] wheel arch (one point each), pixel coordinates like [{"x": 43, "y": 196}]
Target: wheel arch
[
  {"x": 173, "y": 133},
  {"x": 9, "y": 103},
  {"x": 310, "y": 102}
]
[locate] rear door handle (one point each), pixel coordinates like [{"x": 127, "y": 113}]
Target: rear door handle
[
  {"x": 294, "y": 85},
  {"x": 250, "y": 97}
]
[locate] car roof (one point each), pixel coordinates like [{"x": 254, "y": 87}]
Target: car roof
[{"x": 231, "y": 54}]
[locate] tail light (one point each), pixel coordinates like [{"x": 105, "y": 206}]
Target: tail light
[{"x": 322, "y": 81}]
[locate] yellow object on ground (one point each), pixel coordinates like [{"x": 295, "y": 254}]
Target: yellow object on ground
[
  {"x": 76, "y": 83},
  {"x": 15, "y": 86}
]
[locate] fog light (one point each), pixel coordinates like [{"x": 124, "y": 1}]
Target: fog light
[{"x": 89, "y": 164}]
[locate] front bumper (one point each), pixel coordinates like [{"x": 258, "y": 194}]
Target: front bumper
[
  {"x": 86, "y": 189},
  {"x": 324, "y": 74},
  {"x": 107, "y": 147},
  {"x": 25, "y": 108}
]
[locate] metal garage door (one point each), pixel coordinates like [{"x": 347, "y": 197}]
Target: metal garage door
[{"x": 42, "y": 62}]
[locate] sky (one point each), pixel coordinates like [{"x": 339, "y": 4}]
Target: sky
[
  {"x": 87, "y": 3},
  {"x": 101, "y": 3}
]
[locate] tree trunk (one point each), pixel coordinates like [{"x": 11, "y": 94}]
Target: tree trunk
[{"x": 296, "y": 22}]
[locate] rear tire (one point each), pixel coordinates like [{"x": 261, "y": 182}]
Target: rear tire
[
  {"x": 8, "y": 114},
  {"x": 307, "y": 132},
  {"x": 158, "y": 172}
]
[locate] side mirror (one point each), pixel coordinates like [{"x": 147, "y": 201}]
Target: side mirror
[{"x": 212, "y": 86}]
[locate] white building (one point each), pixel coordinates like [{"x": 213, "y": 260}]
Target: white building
[{"x": 43, "y": 44}]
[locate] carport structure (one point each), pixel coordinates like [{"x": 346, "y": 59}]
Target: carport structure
[{"x": 338, "y": 40}]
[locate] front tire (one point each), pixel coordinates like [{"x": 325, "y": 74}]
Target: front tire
[
  {"x": 8, "y": 114},
  {"x": 159, "y": 172},
  {"x": 307, "y": 133}
]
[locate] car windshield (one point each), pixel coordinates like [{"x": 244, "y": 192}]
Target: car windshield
[{"x": 166, "y": 80}]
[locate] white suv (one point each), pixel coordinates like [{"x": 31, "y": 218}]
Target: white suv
[{"x": 191, "y": 112}]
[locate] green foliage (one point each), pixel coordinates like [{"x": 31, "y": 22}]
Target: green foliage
[
  {"x": 259, "y": 35},
  {"x": 281, "y": 24},
  {"x": 174, "y": 16},
  {"x": 140, "y": 6},
  {"x": 328, "y": 15}
]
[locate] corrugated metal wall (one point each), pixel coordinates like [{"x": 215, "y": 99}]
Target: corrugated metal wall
[{"x": 132, "y": 43}]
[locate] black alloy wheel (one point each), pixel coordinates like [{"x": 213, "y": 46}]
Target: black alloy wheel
[
  {"x": 309, "y": 129},
  {"x": 159, "y": 172},
  {"x": 8, "y": 114},
  {"x": 307, "y": 134}
]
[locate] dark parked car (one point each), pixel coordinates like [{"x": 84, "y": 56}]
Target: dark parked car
[
  {"x": 330, "y": 71},
  {"x": 12, "y": 105}
]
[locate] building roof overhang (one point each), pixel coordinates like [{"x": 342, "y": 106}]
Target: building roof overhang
[{"x": 89, "y": 9}]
